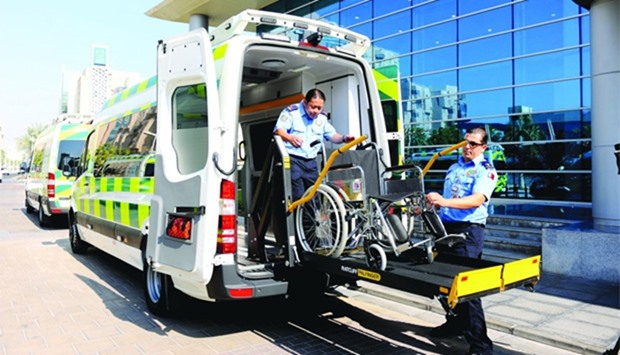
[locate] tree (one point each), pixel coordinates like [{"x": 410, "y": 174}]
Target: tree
[
  {"x": 523, "y": 129},
  {"x": 25, "y": 142},
  {"x": 415, "y": 136},
  {"x": 449, "y": 134}
]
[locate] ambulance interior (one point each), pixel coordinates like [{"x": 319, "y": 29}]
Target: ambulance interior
[{"x": 274, "y": 78}]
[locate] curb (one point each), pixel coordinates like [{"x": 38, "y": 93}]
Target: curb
[{"x": 536, "y": 335}]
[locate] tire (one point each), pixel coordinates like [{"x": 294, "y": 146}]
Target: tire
[
  {"x": 44, "y": 220},
  {"x": 29, "y": 209},
  {"x": 78, "y": 246},
  {"x": 375, "y": 257},
  {"x": 159, "y": 291},
  {"x": 350, "y": 220},
  {"x": 320, "y": 223}
]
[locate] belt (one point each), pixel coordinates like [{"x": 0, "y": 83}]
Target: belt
[
  {"x": 464, "y": 224},
  {"x": 301, "y": 158}
]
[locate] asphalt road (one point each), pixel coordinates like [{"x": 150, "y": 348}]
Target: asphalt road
[{"x": 54, "y": 302}]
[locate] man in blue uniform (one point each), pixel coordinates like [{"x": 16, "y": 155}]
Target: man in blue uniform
[
  {"x": 299, "y": 126},
  {"x": 464, "y": 205}
]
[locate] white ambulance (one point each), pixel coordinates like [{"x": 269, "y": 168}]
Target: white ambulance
[
  {"x": 48, "y": 182},
  {"x": 159, "y": 185}
]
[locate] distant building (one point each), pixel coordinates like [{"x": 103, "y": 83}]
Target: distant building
[{"x": 85, "y": 93}]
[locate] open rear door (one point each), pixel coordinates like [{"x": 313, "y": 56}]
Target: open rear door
[{"x": 187, "y": 111}]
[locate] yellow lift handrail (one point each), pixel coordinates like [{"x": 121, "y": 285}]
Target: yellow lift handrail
[
  {"x": 443, "y": 152},
  {"x": 328, "y": 164}
]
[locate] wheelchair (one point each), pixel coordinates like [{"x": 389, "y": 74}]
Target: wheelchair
[{"x": 362, "y": 205}]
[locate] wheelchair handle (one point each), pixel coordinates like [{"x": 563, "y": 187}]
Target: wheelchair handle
[{"x": 328, "y": 164}]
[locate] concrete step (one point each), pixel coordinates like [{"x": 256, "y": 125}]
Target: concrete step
[
  {"x": 506, "y": 250},
  {"x": 515, "y": 232},
  {"x": 524, "y": 221},
  {"x": 504, "y": 256},
  {"x": 495, "y": 242},
  {"x": 512, "y": 238}
]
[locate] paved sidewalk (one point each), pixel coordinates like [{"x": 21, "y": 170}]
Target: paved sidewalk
[{"x": 570, "y": 313}]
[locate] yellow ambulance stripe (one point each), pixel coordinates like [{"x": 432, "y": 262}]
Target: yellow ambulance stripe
[
  {"x": 220, "y": 52},
  {"x": 387, "y": 86}
]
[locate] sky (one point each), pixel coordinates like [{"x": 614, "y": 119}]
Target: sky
[{"x": 39, "y": 37}]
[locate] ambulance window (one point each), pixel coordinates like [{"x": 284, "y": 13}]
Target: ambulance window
[
  {"x": 191, "y": 106},
  {"x": 190, "y": 127},
  {"x": 71, "y": 150}
]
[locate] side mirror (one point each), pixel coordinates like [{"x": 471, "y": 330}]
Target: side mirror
[{"x": 66, "y": 170}]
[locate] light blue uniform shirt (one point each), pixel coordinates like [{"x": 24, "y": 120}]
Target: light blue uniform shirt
[
  {"x": 294, "y": 120},
  {"x": 463, "y": 179}
]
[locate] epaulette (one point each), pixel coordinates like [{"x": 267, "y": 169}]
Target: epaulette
[
  {"x": 293, "y": 107},
  {"x": 487, "y": 165}
]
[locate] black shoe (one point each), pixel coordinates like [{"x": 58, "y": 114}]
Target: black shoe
[{"x": 445, "y": 331}]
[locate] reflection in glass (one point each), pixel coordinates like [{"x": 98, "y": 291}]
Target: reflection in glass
[
  {"x": 400, "y": 22},
  {"x": 434, "y": 36},
  {"x": 356, "y": 14},
  {"x": 486, "y": 76},
  {"x": 531, "y": 12},
  {"x": 498, "y": 47},
  {"x": 543, "y": 38},
  {"x": 553, "y": 96},
  {"x": 486, "y": 23},
  {"x": 434, "y": 60},
  {"x": 434, "y": 11},
  {"x": 557, "y": 65}
]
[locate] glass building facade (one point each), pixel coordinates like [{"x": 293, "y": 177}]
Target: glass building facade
[{"x": 519, "y": 68}]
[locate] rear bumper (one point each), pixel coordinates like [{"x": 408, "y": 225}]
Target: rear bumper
[{"x": 226, "y": 284}]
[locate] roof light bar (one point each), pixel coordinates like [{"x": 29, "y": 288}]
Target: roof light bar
[
  {"x": 268, "y": 20},
  {"x": 275, "y": 37},
  {"x": 357, "y": 43}
]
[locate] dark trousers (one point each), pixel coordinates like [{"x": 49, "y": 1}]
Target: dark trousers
[
  {"x": 469, "y": 315},
  {"x": 304, "y": 173}
]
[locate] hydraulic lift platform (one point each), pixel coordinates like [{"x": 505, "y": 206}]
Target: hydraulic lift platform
[{"x": 451, "y": 277}]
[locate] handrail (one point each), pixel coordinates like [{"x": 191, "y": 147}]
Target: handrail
[
  {"x": 328, "y": 164},
  {"x": 443, "y": 152}
]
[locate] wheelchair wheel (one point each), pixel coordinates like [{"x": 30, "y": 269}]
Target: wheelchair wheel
[
  {"x": 320, "y": 223},
  {"x": 350, "y": 219},
  {"x": 375, "y": 257}
]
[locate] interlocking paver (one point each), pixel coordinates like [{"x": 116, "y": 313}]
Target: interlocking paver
[{"x": 54, "y": 302}]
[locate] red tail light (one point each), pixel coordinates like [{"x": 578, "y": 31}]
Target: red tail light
[
  {"x": 227, "y": 229},
  {"x": 51, "y": 185}
]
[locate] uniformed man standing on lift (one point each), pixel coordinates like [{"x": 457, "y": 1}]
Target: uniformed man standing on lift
[
  {"x": 464, "y": 205},
  {"x": 300, "y": 125}
]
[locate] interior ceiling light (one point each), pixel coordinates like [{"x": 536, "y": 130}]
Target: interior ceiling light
[{"x": 273, "y": 63}]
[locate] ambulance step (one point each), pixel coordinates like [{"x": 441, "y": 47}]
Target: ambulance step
[{"x": 255, "y": 271}]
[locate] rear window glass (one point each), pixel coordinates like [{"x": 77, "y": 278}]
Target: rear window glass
[{"x": 69, "y": 152}]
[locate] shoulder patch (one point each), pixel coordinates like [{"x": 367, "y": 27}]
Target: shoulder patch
[
  {"x": 487, "y": 165},
  {"x": 293, "y": 107}
]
